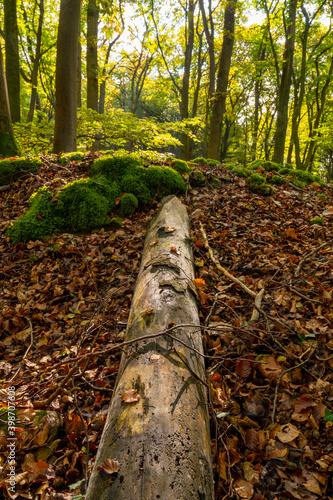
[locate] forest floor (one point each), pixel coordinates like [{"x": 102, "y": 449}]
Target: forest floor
[{"x": 271, "y": 377}]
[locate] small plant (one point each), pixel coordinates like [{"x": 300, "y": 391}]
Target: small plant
[
  {"x": 322, "y": 196},
  {"x": 317, "y": 220},
  {"x": 128, "y": 204}
]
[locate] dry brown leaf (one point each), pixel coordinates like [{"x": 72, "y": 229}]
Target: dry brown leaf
[
  {"x": 243, "y": 368},
  {"x": 251, "y": 439},
  {"x": 130, "y": 396},
  {"x": 244, "y": 489},
  {"x": 109, "y": 466},
  {"x": 222, "y": 465},
  {"x": 270, "y": 368},
  {"x": 328, "y": 212},
  {"x": 288, "y": 433},
  {"x": 303, "y": 402}
]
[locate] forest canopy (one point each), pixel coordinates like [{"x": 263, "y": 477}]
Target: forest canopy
[{"x": 229, "y": 80}]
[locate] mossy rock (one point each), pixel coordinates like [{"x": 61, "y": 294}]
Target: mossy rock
[
  {"x": 197, "y": 178},
  {"x": 80, "y": 206},
  {"x": 12, "y": 169},
  {"x": 69, "y": 157},
  {"x": 180, "y": 166},
  {"x": 297, "y": 183},
  {"x": 276, "y": 180},
  {"x": 212, "y": 163},
  {"x": 241, "y": 172},
  {"x": 164, "y": 181},
  {"x": 264, "y": 189},
  {"x": 116, "y": 222},
  {"x": 128, "y": 204},
  {"x": 200, "y": 160},
  {"x": 269, "y": 166},
  {"x": 257, "y": 179},
  {"x": 286, "y": 171},
  {"x": 115, "y": 167},
  {"x": 215, "y": 182},
  {"x": 135, "y": 184}
]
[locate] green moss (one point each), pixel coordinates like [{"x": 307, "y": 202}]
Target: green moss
[
  {"x": 13, "y": 169},
  {"x": 296, "y": 182},
  {"x": 38, "y": 221},
  {"x": 164, "y": 181},
  {"x": 135, "y": 184},
  {"x": 241, "y": 172},
  {"x": 181, "y": 167},
  {"x": 286, "y": 171},
  {"x": 69, "y": 157},
  {"x": 269, "y": 166},
  {"x": 277, "y": 180},
  {"x": 257, "y": 179},
  {"x": 197, "y": 178},
  {"x": 116, "y": 222},
  {"x": 128, "y": 204},
  {"x": 116, "y": 166},
  {"x": 8, "y": 145},
  {"x": 257, "y": 184},
  {"x": 85, "y": 204},
  {"x": 199, "y": 160},
  {"x": 322, "y": 196},
  {"x": 212, "y": 163},
  {"x": 317, "y": 220}
]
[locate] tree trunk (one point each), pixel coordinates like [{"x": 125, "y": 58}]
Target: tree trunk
[
  {"x": 7, "y": 142},
  {"x": 92, "y": 61},
  {"x": 284, "y": 89},
  {"x": 220, "y": 95},
  {"x": 162, "y": 441},
  {"x": 66, "y": 77},
  {"x": 36, "y": 60},
  {"x": 12, "y": 58}
]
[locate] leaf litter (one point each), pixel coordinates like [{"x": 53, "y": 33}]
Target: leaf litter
[{"x": 65, "y": 302}]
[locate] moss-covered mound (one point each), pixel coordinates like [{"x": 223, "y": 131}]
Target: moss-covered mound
[
  {"x": 180, "y": 166},
  {"x": 12, "y": 169},
  {"x": 69, "y": 157},
  {"x": 86, "y": 203}
]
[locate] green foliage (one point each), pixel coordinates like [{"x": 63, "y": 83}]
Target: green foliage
[
  {"x": 197, "y": 178},
  {"x": 328, "y": 417},
  {"x": 286, "y": 171},
  {"x": 34, "y": 137},
  {"x": 241, "y": 172},
  {"x": 257, "y": 179},
  {"x": 128, "y": 204},
  {"x": 13, "y": 168},
  {"x": 317, "y": 220},
  {"x": 164, "y": 181},
  {"x": 322, "y": 196},
  {"x": 135, "y": 184},
  {"x": 68, "y": 157},
  {"x": 181, "y": 166},
  {"x": 116, "y": 166},
  {"x": 269, "y": 166},
  {"x": 277, "y": 180}
]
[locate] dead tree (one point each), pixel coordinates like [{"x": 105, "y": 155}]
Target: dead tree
[{"x": 162, "y": 440}]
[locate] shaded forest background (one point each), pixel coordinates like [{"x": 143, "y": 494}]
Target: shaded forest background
[{"x": 234, "y": 81}]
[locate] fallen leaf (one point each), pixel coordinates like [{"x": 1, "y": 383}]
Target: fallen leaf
[
  {"x": 244, "y": 489},
  {"x": 288, "y": 433},
  {"x": 130, "y": 396}
]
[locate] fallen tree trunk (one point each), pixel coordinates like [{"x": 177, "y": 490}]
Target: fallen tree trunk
[{"x": 161, "y": 441}]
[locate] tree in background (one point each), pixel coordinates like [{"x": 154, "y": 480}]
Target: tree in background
[
  {"x": 7, "y": 142},
  {"x": 12, "y": 58},
  {"x": 66, "y": 77}
]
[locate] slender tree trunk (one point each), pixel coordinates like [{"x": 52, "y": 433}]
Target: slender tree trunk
[
  {"x": 66, "y": 77},
  {"x": 162, "y": 440},
  {"x": 284, "y": 89},
  {"x": 184, "y": 111},
  {"x": 12, "y": 59},
  {"x": 7, "y": 142},
  {"x": 79, "y": 76},
  {"x": 36, "y": 60},
  {"x": 92, "y": 61},
  {"x": 219, "y": 99}
]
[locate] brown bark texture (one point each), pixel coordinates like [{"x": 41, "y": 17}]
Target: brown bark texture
[
  {"x": 7, "y": 142},
  {"x": 66, "y": 77},
  {"x": 12, "y": 58},
  {"x": 161, "y": 441}
]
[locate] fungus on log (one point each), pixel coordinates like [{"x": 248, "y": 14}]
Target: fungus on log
[{"x": 162, "y": 440}]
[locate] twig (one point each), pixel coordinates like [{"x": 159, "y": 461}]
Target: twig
[
  {"x": 257, "y": 305},
  {"x": 51, "y": 398},
  {"x": 280, "y": 378},
  {"x": 310, "y": 254},
  {"x": 222, "y": 269}
]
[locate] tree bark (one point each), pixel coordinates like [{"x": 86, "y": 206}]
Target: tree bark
[
  {"x": 284, "y": 89},
  {"x": 12, "y": 59},
  {"x": 92, "y": 60},
  {"x": 66, "y": 77},
  {"x": 7, "y": 142},
  {"x": 219, "y": 98},
  {"x": 35, "y": 62},
  {"x": 162, "y": 441}
]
